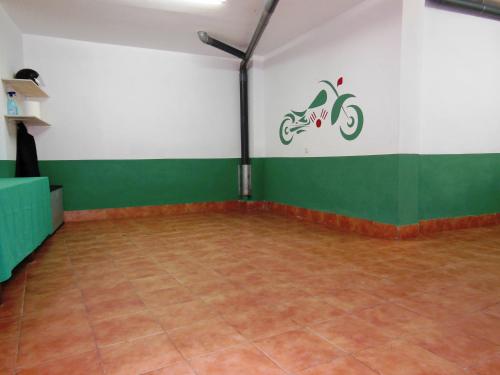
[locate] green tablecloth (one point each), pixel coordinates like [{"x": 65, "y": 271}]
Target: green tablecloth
[{"x": 25, "y": 219}]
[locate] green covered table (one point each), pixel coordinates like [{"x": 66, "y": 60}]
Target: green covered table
[{"x": 25, "y": 219}]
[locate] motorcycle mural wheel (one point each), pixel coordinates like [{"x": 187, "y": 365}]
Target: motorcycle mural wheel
[
  {"x": 355, "y": 121},
  {"x": 286, "y": 135}
]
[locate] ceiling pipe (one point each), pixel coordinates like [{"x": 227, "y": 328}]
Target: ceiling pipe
[
  {"x": 269, "y": 9},
  {"x": 207, "y": 39},
  {"x": 245, "y": 168},
  {"x": 481, "y": 7}
]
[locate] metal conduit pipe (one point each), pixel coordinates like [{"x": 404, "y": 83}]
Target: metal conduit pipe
[
  {"x": 489, "y": 7},
  {"x": 245, "y": 168},
  {"x": 207, "y": 39}
]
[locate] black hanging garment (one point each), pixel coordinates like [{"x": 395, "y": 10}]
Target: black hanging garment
[{"x": 27, "y": 160}]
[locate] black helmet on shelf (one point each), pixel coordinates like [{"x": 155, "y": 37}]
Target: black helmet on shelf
[{"x": 28, "y": 74}]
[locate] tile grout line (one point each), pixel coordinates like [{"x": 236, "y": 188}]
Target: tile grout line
[
  {"x": 20, "y": 322},
  {"x": 98, "y": 352},
  {"x": 271, "y": 359}
]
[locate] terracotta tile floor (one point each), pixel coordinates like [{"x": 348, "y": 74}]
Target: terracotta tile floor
[{"x": 246, "y": 294}]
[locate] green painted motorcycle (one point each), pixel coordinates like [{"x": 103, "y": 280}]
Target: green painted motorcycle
[{"x": 297, "y": 122}]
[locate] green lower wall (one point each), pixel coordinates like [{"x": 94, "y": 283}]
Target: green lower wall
[
  {"x": 7, "y": 168},
  {"x": 259, "y": 179},
  {"x": 459, "y": 185},
  {"x": 394, "y": 189},
  {"x": 408, "y": 187},
  {"x": 359, "y": 186},
  {"x": 91, "y": 184}
]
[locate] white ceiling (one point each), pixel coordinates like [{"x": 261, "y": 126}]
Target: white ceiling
[{"x": 171, "y": 24}]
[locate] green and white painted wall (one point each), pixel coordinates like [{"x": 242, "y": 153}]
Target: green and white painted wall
[
  {"x": 428, "y": 84},
  {"x": 321, "y": 169},
  {"x": 11, "y": 60},
  {"x": 135, "y": 127},
  {"x": 460, "y": 116}
]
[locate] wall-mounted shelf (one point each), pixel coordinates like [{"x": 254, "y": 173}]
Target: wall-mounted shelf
[
  {"x": 28, "y": 120},
  {"x": 25, "y": 87}
]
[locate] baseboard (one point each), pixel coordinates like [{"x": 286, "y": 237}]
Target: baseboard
[
  {"x": 455, "y": 223},
  {"x": 340, "y": 222},
  {"x": 377, "y": 229},
  {"x": 149, "y": 211},
  {"x": 332, "y": 220}
]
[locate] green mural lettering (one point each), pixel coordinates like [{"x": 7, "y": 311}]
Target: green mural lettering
[{"x": 349, "y": 116}]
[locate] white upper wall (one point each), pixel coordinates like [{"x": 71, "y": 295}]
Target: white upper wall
[
  {"x": 114, "y": 102},
  {"x": 426, "y": 79},
  {"x": 256, "y": 109},
  {"x": 412, "y": 30},
  {"x": 461, "y": 84},
  {"x": 11, "y": 60},
  {"x": 362, "y": 45}
]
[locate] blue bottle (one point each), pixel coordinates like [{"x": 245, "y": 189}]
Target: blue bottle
[{"x": 12, "y": 108}]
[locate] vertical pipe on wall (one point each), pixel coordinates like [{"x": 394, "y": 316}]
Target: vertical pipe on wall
[
  {"x": 245, "y": 172},
  {"x": 245, "y": 168},
  {"x": 245, "y": 154}
]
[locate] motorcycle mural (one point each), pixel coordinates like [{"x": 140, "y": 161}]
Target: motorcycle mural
[{"x": 328, "y": 102}]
